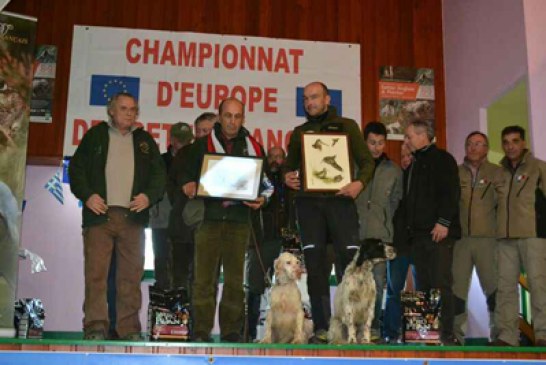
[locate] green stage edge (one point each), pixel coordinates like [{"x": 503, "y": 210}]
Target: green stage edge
[{"x": 75, "y": 338}]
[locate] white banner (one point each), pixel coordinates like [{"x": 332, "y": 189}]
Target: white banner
[{"x": 176, "y": 76}]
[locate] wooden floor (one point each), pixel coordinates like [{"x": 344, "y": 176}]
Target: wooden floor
[{"x": 347, "y": 351}]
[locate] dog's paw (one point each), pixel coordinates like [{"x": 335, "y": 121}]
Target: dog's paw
[
  {"x": 266, "y": 340},
  {"x": 299, "y": 340},
  {"x": 352, "y": 340}
]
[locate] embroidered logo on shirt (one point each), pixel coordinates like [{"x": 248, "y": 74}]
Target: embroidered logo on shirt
[
  {"x": 520, "y": 178},
  {"x": 144, "y": 147}
]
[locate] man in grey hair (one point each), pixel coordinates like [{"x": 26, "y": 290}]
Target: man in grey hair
[{"x": 431, "y": 204}]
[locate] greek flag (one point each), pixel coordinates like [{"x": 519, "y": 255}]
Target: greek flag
[{"x": 55, "y": 186}]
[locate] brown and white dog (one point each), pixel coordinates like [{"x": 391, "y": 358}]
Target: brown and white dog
[
  {"x": 354, "y": 300},
  {"x": 285, "y": 321}
]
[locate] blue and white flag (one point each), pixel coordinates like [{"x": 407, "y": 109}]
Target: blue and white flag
[{"x": 55, "y": 186}]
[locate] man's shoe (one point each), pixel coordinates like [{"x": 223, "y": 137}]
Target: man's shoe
[
  {"x": 540, "y": 342},
  {"x": 499, "y": 343},
  {"x": 319, "y": 338},
  {"x": 203, "y": 338},
  {"x": 450, "y": 341},
  {"x": 231, "y": 337},
  {"x": 135, "y": 337},
  {"x": 94, "y": 336}
]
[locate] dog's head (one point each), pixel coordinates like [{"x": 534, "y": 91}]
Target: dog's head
[
  {"x": 287, "y": 268},
  {"x": 374, "y": 250}
]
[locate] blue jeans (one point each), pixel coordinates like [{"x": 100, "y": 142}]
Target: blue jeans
[{"x": 397, "y": 270}]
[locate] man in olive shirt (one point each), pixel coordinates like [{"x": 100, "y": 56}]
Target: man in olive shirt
[
  {"x": 478, "y": 245},
  {"x": 324, "y": 216}
]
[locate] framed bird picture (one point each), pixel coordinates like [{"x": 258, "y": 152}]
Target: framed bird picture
[{"x": 326, "y": 161}]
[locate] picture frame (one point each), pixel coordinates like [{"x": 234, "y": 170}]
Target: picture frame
[
  {"x": 326, "y": 161},
  {"x": 230, "y": 177}
]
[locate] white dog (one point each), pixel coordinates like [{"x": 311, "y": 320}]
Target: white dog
[
  {"x": 285, "y": 321},
  {"x": 354, "y": 301}
]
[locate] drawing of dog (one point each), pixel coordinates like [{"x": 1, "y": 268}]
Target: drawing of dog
[
  {"x": 285, "y": 321},
  {"x": 354, "y": 300}
]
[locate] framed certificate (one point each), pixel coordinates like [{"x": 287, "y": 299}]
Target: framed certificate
[
  {"x": 326, "y": 161},
  {"x": 230, "y": 177}
]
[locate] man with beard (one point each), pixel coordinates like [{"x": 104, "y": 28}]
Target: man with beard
[{"x": 267, "y": 224}]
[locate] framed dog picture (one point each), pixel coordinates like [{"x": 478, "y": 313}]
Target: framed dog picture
[
  {"x": 326, "y": 161},
  {"x": 230, "y": 177}
]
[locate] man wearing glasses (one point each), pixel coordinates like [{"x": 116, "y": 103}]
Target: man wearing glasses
[{"x": 478, "y": 246}]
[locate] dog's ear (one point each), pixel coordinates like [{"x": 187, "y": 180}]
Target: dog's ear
[{"x": 277, "y": 265}]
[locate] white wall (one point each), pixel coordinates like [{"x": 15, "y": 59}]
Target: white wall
[{"x": 484, "y": 56}]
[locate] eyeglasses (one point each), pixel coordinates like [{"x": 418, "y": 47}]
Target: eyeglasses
[{"x": 476, "y": 144}]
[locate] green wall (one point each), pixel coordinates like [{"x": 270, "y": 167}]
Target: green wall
[{"x": 509, "y": 109}]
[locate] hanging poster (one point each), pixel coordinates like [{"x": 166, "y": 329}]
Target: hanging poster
[
  {"x": 43, "y": 84},
  {"x": 405, "y": 94}
]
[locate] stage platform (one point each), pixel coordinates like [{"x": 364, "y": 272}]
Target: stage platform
[{"x": 61, "y": 352}]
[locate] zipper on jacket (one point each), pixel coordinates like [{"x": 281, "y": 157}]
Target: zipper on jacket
[
  {"x": 508, "y": 205},
  {"x": 473, "y": 185},
  {"x": 485, "y": 191},
  {"x": 524, "y": 183}
]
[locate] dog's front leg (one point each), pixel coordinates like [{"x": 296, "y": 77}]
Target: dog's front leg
[
  {"x": 268, "y": 321},
  {"x": 351, "y": 325},
  {"x": 298, "y": 332},
  {"x": 366, "y": 335}
]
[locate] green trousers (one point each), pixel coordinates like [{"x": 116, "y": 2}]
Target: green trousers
[{"x": 219, "y": 243}]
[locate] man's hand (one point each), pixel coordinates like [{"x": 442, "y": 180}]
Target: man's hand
[
  {"x": 96, "y": 204},
  {"x": 256, "y": 204},
  {"x": 139, "y": 203},
  {"x": 292, "y": 180},
  {"x": 352, "y": 189},
  {"x": 439, "y": 232},
  {"x": 189, "y": 189}
]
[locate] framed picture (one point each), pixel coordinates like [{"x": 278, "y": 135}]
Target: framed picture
[
  {"x": 326, "y": 161},
  {"x": 230, "y": 177}
]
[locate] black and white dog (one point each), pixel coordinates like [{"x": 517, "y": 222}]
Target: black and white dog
[{"x": 354, "y": 300}]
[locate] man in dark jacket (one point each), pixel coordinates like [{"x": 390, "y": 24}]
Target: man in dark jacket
[
  {"x": 223, "y": 236},
  {"x": 118, "y": 173},
  {"x": 324, "y": 216},
  {"x": 431, "y": 203}
]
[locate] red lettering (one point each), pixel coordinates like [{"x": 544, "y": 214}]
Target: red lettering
[
  {"x": 258, "y": 136},
  {"x": 186, "y": 92},
  {"x": 167, "y": 128},
  {"x": 242, "y": 94},
  {"x": 265, "y": 60},
  {"x": 273, "y": 141},
  {"x": 132, "y": 57},
  {"x": 296, "y": 54},
  {"x": 254, "y": 97},
  {"x": 151, "y": 128},
  {"x": 164, "y": 93},
  {"x": 282, "y": 61},
  {"x": 220, "y": 93},
  {"x": 186, "y": 56},
  {"x": 168, "y": 54},
  {"x": 270, "y": 100},
  {"x": 229, "y": 64},
  {"x": 216, "y": 55},
  {"x": 204, "y": 99},
  {"x": 287, "y": 140},
  {"x": 151, "y": 50},
  {"x": 248, "y": 58},
  {"x": 80, "y": 125},
  {"x": 205, "y": 51}
]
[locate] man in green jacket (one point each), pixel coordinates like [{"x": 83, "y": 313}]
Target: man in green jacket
[
  {"x": 478, "y": 245},
  {"x": 118, "y": 173},
  {"x": 522, "y": 243},
  {"x": 222, "y": 238},
  {"x": 326, "y": 216}
]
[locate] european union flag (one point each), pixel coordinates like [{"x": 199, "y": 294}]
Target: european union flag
[
  {"x": 103, "y": 87},
  {"x": 335, "y": 100}
]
